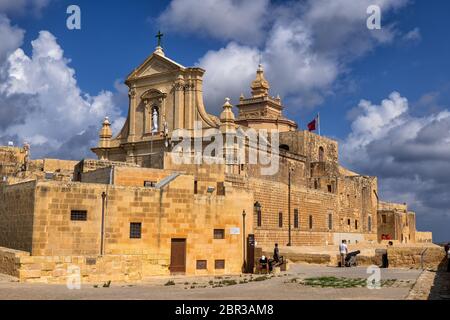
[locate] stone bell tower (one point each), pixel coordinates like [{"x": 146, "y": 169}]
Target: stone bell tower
[{"x": 261, "y": 111}]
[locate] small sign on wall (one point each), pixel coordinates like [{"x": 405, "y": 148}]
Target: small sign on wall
[{"x": 235, "y": 231}]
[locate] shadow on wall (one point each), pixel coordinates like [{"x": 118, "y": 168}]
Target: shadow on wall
[{"x": 440, "y": 289}]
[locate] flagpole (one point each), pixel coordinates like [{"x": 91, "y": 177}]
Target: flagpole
[{"x": 318, "y": 120}]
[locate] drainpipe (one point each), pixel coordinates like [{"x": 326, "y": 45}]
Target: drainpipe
[
  {"x": 102, "y": 234},
  {"x": 289, "y": 206},
  {"x": 244, "y": 267}
]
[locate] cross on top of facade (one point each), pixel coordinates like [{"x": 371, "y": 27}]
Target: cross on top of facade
[{"x": 159, "y": 36}]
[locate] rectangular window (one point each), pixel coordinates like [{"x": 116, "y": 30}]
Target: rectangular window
[
  {"x": 296, "y": 219},
  {"x": 220, "y": 189},
  {"x": 135, "y": 230},
  {"x": 195, "y": 187},
  {"x": 349, "y": 222},
  {"x": 149, "y": 184},
  {"x": 202, "y": 264},
  {"x": 310, "y": 222},
  {"x": 280, "y": 219},
  {"x": 219, "y": 264},
  {"x": 330, "y": 221},
  {"x": 259, "y": 217},
  {"x": 370, "y": 224},
  {"x": 330, "y": 189},
  {"x": 356, "y": 224},
  {"x": 78, "y": 215},
  {"x": 49, "y": 175},
  {"x": 219, "y": 234}
]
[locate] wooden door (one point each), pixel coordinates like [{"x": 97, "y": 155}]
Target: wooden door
[{"x": 178, "y": 256}]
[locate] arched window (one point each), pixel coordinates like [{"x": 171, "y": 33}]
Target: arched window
[
  {"x": 284, "y": 147},
  {"x": 321, "y": 154}
]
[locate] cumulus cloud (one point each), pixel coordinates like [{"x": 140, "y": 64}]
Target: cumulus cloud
[
  {"x": 11, "y": 37},
  {"x": 41, "y": 103},
  {"x": 410, "y": 155},
  {"x": 13, "y": 7},
  {"x": 239, "y": 20},
  {"x": 304, "y": 46}
]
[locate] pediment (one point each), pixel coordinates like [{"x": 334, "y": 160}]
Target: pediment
[{"x": 155, "y": 64}]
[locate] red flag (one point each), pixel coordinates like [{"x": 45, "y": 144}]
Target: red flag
[{"x": 312, "y": 126}]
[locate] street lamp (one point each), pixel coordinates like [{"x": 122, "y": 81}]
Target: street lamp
[{"x": 243, "y": 240}]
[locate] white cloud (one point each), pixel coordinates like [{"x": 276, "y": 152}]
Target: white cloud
[
  {"x": 11, "y": 37},
  {"x": 305, "y": 46},
  {"x": 50, "y": 109},
  {"x": 239, "y": 20},
  {"x": 410, "y": 154},
  {"x": 22, "y": 6},
  {"x": 413, "y": 35}
]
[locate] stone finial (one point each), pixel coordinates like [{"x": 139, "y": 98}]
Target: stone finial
[
  {"x": 159, "y": 51},
  {"x": 227, "y": 116},
  {"x": 105, "y": 134},
  {"x": 260, "y": 87},
  {"x": 242, "y": 97}
]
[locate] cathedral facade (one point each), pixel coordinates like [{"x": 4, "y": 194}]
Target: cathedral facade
[{"x": 138, "y": 210}]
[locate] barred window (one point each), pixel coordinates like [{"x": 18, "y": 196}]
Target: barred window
[
  {"x": 78, "y": 215},
  {"x": 135, "y": 230},
  {"x": 259, "y": 217},
  {"x": 150, "y": 184},
  {"x": 219, "y": 234},
  {"x": 296, "y": 219},
  {"x": 219, "y": 264},
  {"x": 330, "y": 221},
  {"x": 202, "y": 264}
]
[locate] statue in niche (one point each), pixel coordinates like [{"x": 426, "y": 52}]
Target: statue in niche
[{"x": 155, "y": 120}]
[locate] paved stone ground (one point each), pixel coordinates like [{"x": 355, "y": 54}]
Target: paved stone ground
[
  {"x": 276, "y": 288},
  {"x": 431, "y": 285}
]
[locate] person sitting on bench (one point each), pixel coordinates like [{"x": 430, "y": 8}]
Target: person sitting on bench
[{"x": 264, "y": 264}]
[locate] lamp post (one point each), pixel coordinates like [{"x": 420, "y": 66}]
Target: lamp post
[{"x": 243, "y": 240}]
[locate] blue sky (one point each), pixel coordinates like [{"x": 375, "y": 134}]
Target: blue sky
[{"x": 383, "y": 94}]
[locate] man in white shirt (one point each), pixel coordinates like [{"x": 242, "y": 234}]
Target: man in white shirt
[{"x": 343, "y": 250}]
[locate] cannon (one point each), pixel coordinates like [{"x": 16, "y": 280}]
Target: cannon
[{"x": 350, "y": 259}]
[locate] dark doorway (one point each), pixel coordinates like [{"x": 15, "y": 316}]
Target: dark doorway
[{"x": 178, "y": 256}]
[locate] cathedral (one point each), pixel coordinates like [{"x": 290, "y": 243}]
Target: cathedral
[{"x": 136, "y": 211}]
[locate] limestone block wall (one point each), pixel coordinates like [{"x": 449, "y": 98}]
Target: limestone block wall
[
  {"x": 124, "y": 176},
  {"x": 273, "y": 198},
  {"x": 410, "y": 257},
  {"x": 10, "y": 261},
  {"x": 424, "y": 237},
  {"x": 205, "y": 175},
  {"x": 171, "y": 213},
  {"x": 16, "y": 215}
]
